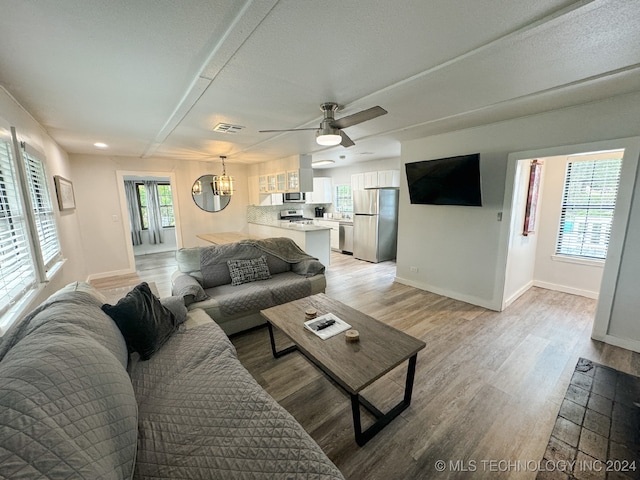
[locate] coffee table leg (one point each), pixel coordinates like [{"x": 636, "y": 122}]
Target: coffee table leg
[
  {"x": 276, "y": 353},
  {"x": 382, "y": 419}
]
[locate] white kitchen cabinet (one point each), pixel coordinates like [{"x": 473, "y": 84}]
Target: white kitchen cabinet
[
  {"x": 334, "y": 225},
  {"x": 370, "y": 179},
  {"x": 357, "y": 181},
  {"x": 281, "y": 182},
  {"x": 271, "y": 183},
  {"x": 262, "y": 184},
  {"x": 389, "y": 178},
  {"x": 322, "y": 191}
]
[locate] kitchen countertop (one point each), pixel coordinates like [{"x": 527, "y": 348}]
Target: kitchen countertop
[{"x": 299, "y": 227}]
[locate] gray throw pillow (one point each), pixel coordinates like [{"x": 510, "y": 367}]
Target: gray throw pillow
[
  {"x": 144, "y": 322},
  {"x": 244, "y": 271}
]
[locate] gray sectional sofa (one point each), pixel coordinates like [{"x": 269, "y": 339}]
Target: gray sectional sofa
[
  {"x": 204, "y": 280},
  {"x": 75, "y": 405}
]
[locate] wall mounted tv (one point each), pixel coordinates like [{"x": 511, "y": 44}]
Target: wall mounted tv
[{"x": 445, "y": 181}]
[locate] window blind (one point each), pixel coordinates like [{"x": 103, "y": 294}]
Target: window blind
[
  {"x": 42, "y": 208},
  {"x": 588, "y": 203},
  {"x": 17, "y": 271}
]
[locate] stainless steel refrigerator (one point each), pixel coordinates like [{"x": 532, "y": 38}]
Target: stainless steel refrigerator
[{"x": 375, "y": 224}]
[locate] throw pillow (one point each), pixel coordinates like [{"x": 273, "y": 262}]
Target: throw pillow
[
  {"x": 244, "y": 271},
  {"x": 144, "y": 322}
]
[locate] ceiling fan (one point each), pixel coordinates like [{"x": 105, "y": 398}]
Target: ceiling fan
[{"x": 330, "y": 132}]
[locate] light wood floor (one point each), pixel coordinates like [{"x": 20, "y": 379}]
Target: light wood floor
[{"x": 488, "y": 386}]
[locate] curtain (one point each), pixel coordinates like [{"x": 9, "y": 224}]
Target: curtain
[
  {"x": 134, "y": 212},
  {"x": 153, "y": 212}
]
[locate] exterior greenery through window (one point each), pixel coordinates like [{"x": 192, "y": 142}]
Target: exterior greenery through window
[
  {"x": 588, "y": 203},
  {"x": 343, "y": 200},
  {"x": 166, "y": 205}
]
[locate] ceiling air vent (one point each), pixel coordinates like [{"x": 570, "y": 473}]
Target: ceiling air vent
[{"x": 227, "y": 128}]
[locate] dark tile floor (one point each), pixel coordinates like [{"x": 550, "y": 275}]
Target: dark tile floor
[{"x": 597, "y": 432}]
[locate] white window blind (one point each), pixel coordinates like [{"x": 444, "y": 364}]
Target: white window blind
[
  {"x": 42, "y": 208},
  {"x": 17, "y": 270},
  {"x": 588, "y": 203}
]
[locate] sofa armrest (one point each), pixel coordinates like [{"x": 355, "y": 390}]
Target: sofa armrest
[
  {"x": 185, "y": 286},
  {"x": 308, "y": 267}
]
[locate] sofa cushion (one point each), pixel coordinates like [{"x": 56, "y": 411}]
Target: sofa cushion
[
  {"x": 202, "y": 415},
  {"x": 251, "y": 270},
  {"x": 67, "y": 407},
  {"x": 176, "y": 305},
  {"x": 144, "y": 322},
  {"x": 213, "y": 262}
]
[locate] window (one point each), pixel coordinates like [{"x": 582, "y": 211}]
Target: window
[
  {"x": 343, "y": 201},
  {"x": 29, "y": 244},
  {"x": 166, "y": 205},
  {"x": 588, "y": 203}
]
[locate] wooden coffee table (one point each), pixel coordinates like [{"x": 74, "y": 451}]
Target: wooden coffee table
[{"x": 353, "y": 366}]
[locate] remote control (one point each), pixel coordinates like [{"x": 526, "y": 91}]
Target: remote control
[{"x": 325, "y": 324}]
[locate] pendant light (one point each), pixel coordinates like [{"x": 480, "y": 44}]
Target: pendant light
[
  {"x": 197, "y": 188},
  {"x": 223, "y": 184}
]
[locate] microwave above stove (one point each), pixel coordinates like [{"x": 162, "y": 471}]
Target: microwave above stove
[{"x": 293, "y": 197}]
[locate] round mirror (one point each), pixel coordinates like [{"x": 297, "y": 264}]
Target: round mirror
[{"x": 202, "y": 193}]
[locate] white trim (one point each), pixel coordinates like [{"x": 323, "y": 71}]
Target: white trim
[
  {"x": 566, "y": 289},
  {"x": 481, "y": 302},
  {"x": 632, "y": 345},
  {"x": 578, "y": 260},
  {"x": 114, "y": 273},
  {"x": 517, "y": 294}
]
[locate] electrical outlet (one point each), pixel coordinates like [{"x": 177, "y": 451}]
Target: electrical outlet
[
  {"x": 114, "y": 218},
  {"x": 414, "y": 269},
  {"x": 499, "y": 216}
]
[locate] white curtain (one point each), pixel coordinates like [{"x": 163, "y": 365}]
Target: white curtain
[
  {"x": 134, "y": 212},
  {"x": 153, "y": 212}
]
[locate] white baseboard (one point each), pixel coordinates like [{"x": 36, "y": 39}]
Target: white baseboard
[
  {"x": 632, "y": 345},
  {"x": 563, "y": 288},
  {"x": 115, "y": 273},
  {"x": 455, "y": 295},
  {"x": 517, "y": 294}
]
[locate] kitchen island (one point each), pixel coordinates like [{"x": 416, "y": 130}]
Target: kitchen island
[{"x": 313, "y": 239}]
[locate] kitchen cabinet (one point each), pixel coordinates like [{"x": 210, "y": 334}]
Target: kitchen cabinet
[
  {"x": 334, "y": 225},
  {"x": 357, "y": 181},
  {"x": 262, "y": 199},
  {"x": 293, "y": 181},
  {"x": 370, "y": 179},
  {"x": 271, "y": 183},
  {"x": 262, "y": 184},
  {"x": 389, "y": 178},
  {"x": 281, "y": 182},
  {"x": 322, "y": 191}
]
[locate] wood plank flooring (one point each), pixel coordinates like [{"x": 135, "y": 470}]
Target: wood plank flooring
[{"x": 488, "y": 385}]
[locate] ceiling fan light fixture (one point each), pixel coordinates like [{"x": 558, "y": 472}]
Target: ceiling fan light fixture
[{"x": 328, "y": 137}]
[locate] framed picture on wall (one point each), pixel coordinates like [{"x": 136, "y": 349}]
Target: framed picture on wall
[
  {"x": 532, "y": 198},
  {"x": 64, "y": 191}
]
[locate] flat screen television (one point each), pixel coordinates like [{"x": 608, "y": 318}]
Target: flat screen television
[{"x": 445, "y": 181}]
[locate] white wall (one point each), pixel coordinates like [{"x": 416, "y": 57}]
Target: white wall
[
  {"x": 97, "y": 196},
  {"x": 57, "y": 163},
  {"x": 460, "y": 251},
  {"x": 521, "y": 261}
]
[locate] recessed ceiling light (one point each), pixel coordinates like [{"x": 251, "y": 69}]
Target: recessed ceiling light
[
  {"x": 322, "y": 162},
  {"x": 100, "y": 145}
]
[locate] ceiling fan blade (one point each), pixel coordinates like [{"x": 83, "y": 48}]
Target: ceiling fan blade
[
  {"x": 287, "y": 130},
  {"x": 363, "y": 116},
  {"x": 346, "y": 141}
]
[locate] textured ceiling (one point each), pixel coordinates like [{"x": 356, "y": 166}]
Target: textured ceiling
[{"x": 153, "y": 78}]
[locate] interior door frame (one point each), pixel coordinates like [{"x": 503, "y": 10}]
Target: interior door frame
[
  {"x": 631, "y": 146},
  {"x": 120, "y": 175}
]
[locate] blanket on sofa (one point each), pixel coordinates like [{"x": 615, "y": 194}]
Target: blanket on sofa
[
  {"x": 289, "y": 251},
  {"x": 67, "y": 408},
  {"x": 213, "y": 419}
]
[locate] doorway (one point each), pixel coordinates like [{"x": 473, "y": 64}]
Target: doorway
[
  {"x": 518, "y": 267},
  {"x": 140, "y": 237}
]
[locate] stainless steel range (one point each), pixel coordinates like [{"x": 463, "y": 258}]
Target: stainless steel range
[{"x": 295, "y": 216}]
